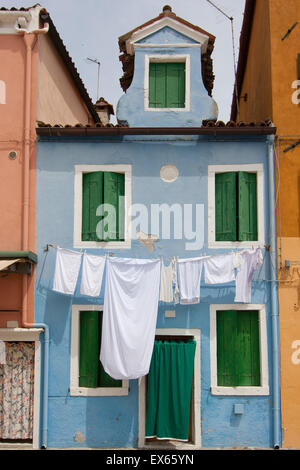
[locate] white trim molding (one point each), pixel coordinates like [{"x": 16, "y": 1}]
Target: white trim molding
[
  {"x": 251, "y": 168},
  {"x": 196, "y": 396},
  {"x": 2, "y": 92},
  {"x": 32, "y": 335},
  {"x": 117, "y": 168},
  {"x": 263, "y": 389},
  {"x": 181, "y": 28},
  {"x": 75, "y": 389},
  {"x": 166, "y": 58}
]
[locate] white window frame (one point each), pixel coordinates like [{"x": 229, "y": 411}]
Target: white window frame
[
  {"x": 251, "y": 168},
  {"x": 28, "y": 334},
  {"x": 75, "y": 389},
  {"x": 263, "y": 389},
  {"x": 196, "y": 391},
  {"x": 117, "y": 168},
  {"x": 167, "y": 58}
]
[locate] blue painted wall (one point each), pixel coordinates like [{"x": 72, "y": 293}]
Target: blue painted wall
[
  {"x": 130, "y": 108},
  {"x": 113, "y": 421}
]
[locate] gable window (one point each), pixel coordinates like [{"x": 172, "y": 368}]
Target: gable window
[
  {"x": 238, "y": 350},
  {"x": 236, "y": 205},
  {"x": 88, "y": 376},
  {"x": 101, "y": 206},
  {"x": 167, "y": 83}
]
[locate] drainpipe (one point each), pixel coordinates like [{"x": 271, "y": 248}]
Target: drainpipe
[
  {"x": 274, "y": 302},
  {"x": 30, "y": 40}
]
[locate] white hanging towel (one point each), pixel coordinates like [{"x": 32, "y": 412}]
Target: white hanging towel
[
  {"x": 92, "y": 275},
  {"x": 129, "y": 316},
  {"x": 190, "y": 270},
  {"x": 174, "y": 280},
  {"x": 166, "y": 283},
  {"x": 251, "y": 260},
  {"x": 219, "y": 269},
  {"x": 66, "y": 272}
]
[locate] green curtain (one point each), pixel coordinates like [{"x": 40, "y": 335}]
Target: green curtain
[{"x": 169, "y": 389}]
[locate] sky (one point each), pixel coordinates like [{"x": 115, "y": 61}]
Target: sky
[{"x": 91, "y": 28}]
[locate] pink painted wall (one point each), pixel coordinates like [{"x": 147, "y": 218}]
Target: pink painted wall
[
  {"x": 58, "y": 100},
  {"x": 12, "y": 73}
]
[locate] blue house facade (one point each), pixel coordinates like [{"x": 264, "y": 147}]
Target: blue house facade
[{"x": 168, "y": 153}]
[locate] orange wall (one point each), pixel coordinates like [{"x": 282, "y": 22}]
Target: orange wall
[
  {"x": 270, "y": 72},
  {"x": 257, "y": 78}
]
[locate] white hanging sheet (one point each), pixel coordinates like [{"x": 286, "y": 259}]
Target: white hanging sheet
[
  {"x": 190, "y": 271},
  {"x": 92, "y": 275},
  {"x": 129, "y": 316},
  {"x": 219, "y": 269},
  {"x": 251, "y": 260},
  {"x": 66, "y": 272}
]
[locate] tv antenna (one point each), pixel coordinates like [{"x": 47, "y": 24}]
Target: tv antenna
[
  {"x": 98, "y": 79},
  {"x": 233, "y": 50}
]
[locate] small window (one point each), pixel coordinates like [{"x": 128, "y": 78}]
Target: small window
[
  {"x": 91, "y": 371},
  {"x": 239, "y": 349},
  {"x": 236, "y": 206},
  {"x": 87, "y": 375},
  {"x": 167, "y": 85},
  {"x": 100, "y": 189},
  {"x": 238, "y": 356}
]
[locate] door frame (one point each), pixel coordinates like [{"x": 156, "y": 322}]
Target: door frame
[
  {"x": 196, "y": 394},
  {"x": 32, "y": 335}
]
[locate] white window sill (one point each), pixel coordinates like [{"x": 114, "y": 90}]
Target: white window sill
[
  {"x": 264, "y": 390},
  {"x": 167, "y": 109},
  {"x": 242, "y": 245},
  {"x": 112, "y": 245},
  {"x": 99, "y": 392}
]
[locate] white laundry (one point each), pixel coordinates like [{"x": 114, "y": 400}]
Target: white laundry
[
  {"x": 92, "y": 275},
  {"x": 66, "y": 272},
  {"x": 174, "y": 280},
  {"x": 190, "y": 271},
  {"x": 166, "y": 283},
  {"x": 219, "y": 269},
  {"x": 251, "y": 260},
  {"x": 129, "y": 316}
]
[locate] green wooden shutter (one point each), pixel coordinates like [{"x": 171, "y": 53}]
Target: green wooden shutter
[
  {"x": 104, "y": 379},
  {"x": 92, "y": 197},
  {"x": 114, "y": 190},
  {"x": 238, "y": 358},
  {"x": 248, "y": 360},
  {"x": 157, "y": 85},
  {"x": 167, "y": 85},
  {"x": 175, "y": 85},
  {"x": 247, "y": 206},
  {"x": 226, "y": 348},
  {"x": 225, "y": 206},
  {"x": 89, "y": 349}
]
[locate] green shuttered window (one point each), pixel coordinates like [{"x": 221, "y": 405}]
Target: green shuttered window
[
  {"x": 166, "y": 85},
  {"x": 236, "y": 206},
  {"x": 101, "y": 188},
  {"x": 238, "y": 351},
  {"x": 91, "y": 371}
]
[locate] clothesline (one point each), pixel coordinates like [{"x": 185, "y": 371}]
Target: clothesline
[
  {"x": 133, "y": 288},
  {"x": 84, "y": 250}
]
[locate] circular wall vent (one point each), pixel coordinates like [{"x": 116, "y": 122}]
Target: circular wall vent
[{"x": 169, "y": 173}]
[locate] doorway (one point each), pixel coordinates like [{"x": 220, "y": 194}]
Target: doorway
[{"x": 194, "y": 438}]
